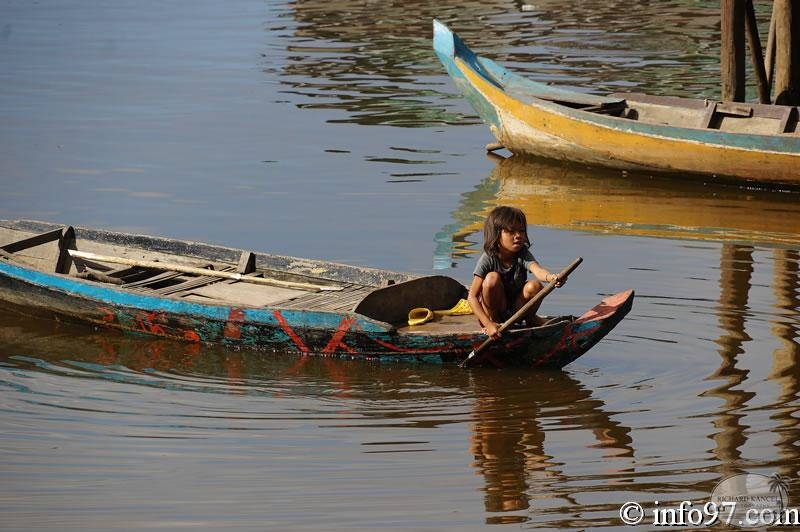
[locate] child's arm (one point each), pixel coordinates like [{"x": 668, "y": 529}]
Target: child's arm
[
  {"x": 477, "y": 307},
  {"x": 544, "y": 275}
]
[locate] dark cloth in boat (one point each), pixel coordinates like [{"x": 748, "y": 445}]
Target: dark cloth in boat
[{"x": 514, "y": 277}]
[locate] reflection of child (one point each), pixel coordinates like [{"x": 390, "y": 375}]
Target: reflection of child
[{"x": 499, "y": 284}]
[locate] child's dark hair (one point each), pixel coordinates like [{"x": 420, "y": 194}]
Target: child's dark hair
[{"x": 500, "y": 218}]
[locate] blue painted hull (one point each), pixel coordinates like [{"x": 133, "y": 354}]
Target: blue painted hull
[{"x": 340, "y": 334}]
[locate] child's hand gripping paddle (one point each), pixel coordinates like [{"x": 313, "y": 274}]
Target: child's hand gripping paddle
[{"x": 474, "y": 356}]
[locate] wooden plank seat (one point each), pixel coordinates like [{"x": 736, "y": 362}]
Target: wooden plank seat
[
  {"x": 784, "y": 114},
  {"x": 65, "y": 238}
]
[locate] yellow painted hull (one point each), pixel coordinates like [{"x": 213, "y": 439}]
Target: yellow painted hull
[
  {"x": 546, "y": 127},
  {"x": 542, "y": 128}
]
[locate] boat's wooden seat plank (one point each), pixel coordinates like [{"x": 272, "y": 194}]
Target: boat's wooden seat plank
[
  {"x": 247, "y": 262},
  {"x": 33, "y": 241},
  {"x": 65, "y": 238},
  {"x": 284, "y": 298}
]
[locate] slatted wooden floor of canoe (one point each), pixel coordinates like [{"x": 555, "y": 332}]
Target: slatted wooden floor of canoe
[
  {"x": 201, "y": 288},
  {"x": 213, "y": 289},
  {"x": 340, "y": 301}
]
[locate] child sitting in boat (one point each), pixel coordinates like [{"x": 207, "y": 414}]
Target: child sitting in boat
[{"x": 499, "y": 283}]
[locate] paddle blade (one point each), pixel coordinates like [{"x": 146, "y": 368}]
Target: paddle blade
[{"x": 466, "y": 362}]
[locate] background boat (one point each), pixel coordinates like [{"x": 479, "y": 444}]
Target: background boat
[{"x": 630, "y": 131}]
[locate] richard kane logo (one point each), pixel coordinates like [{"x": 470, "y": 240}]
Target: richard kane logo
[{"x": 755, "y": 500}]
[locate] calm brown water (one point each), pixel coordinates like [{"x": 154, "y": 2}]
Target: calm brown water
[{"x": 328, "y": 129}]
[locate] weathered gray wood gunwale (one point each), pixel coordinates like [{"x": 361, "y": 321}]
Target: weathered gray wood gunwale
[
  {"x": 355, "y": 282},
  {"x": 302, "y": 269}
]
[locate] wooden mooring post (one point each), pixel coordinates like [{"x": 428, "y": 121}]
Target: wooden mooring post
[
  {"x": 737, "y": 21},
  {"x": 787, "y": 52},
  {"x": 732, "y": 50},
  {"x": 754, "y": 44}
]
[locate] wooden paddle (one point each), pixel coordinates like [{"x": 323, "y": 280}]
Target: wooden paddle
[{"x": 474, "y": 356}]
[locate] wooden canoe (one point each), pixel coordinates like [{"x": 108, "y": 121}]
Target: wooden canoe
[
  {"x": 205, "y": 293},
  {"x": 638, "y": 132}
]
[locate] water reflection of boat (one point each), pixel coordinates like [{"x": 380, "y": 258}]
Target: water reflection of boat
[
  {"x": 509, "y": 419},
  {"x": 509, "y": 436},
  {"x": 626, "y": 131},
  {"x": 203, "y": 293},
  {"x": 573, "y": 197},
  {"x": 576, "y": 198}
]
